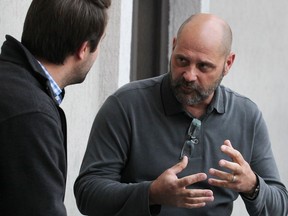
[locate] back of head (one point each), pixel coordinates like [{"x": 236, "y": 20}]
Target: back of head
[{"x": 55, "y": 29}]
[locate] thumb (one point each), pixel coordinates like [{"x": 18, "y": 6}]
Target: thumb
[{"x": 180, "y": 166}]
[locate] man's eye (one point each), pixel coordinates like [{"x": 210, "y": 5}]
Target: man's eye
[
  {"x": 181, "y": 61},
  {"x": 204, "y": 67}
]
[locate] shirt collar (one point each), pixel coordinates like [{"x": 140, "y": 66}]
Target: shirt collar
[
  {"x": 172, "y": 106},
  {"x": 55, "y": 88},
  {"x": 218, "y": 102}
]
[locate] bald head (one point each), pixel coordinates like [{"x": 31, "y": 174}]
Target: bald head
[{"x": 208, "y": 26}]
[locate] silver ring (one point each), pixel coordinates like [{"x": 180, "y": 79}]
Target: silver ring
[{"x": 233, "y": 179}]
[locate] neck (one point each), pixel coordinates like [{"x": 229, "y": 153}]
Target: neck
[
  {"x": 56, "y": 72},
  {"x": 198, "y": 110}
]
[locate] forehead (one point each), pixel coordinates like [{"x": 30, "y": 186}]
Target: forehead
[
  {"x": 201, "y": 40},
  {"x": 197, "y": 51}
]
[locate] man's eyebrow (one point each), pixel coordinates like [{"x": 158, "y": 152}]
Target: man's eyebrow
[{"x": 181, "y": 56}]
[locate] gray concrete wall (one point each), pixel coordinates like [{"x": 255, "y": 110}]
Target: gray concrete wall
[{"x": 260, "y": 41}]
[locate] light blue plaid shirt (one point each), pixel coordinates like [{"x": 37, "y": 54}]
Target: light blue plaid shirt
[{"x": 55, "y": 88}]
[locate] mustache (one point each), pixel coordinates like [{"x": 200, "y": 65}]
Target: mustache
[{"x": 182, "y": 82}]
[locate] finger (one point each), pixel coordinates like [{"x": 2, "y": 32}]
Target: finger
[
  {"x": 228, "y": 143},
  {"x": 179, "y": 166},
  {"x": 198, "y": 205},
  {"x": 221, "y": 183},
  {"x": 232, "y": 153},
  {"x": 197, "y": 202},
  {"x": 233, "y": 166},
  {"x": 221, "y": 175},
  {"x": 197, "y": 198},
  {"x": 189, "y": 180},
  {"x": 198, "y": 193}
]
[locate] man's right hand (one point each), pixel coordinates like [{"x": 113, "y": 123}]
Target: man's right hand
[{"x": 168, "y": 189}]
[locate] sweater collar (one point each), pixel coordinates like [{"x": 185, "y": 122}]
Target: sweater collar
[{"x": 14, "y": 51}]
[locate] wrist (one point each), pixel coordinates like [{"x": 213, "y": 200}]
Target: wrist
[
  {"x": 151, "y": 195},
  {"x": 253, "y": 193}
]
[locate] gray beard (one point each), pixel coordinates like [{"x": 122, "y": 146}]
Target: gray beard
[{"x": 196, "y": 93}]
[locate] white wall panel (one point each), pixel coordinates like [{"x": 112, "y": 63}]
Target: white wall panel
[{"x": 260, "y": 31}]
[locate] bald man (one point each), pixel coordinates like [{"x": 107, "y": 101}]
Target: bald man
[{"x": 181, "y": 143}]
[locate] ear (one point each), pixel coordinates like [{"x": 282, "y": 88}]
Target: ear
[
  {"x": 82, "y": 51},
  {"x": 229, "y": 62},
  {"x": 174, "y": 43}
]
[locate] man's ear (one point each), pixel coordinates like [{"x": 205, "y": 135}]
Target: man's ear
[
  {"x": 83, "y": 50},
  {"x": 229, "y": 62},
  {"x": 174, "y": 43}
]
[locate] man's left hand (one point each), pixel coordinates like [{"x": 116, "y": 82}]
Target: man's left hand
[{"x": 241, "y": 178}]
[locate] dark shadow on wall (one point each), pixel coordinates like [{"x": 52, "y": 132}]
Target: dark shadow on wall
[{"x": 149, "y": 54}]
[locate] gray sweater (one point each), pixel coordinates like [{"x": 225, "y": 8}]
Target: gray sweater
[{"x": 138, "y": 134}]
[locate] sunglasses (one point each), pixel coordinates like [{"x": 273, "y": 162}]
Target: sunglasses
[{"x": 192, "y": 140}]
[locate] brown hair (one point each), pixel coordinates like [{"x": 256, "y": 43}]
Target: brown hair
[{"x": 55, "y": 29}]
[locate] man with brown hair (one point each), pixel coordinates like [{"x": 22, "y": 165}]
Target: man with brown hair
[{"x": 59, "y": 45}]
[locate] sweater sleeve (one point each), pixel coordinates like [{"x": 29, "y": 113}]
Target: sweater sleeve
[
  {"x": 99, "y": 189},
  {"x": 273, "y": 197},
  {"x": 33, "y": 166}
]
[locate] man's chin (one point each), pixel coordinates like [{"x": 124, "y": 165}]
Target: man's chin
[
  {"x": 186, "y": 90},
  {"x": 187, "y": 100}
]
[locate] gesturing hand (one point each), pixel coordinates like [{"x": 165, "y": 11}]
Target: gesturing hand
[
  {"x": 167, "y": 189},
  {"x": 241, "y": 178}
]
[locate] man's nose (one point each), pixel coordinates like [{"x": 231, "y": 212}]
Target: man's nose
[{"x": 190, "y": 74}]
